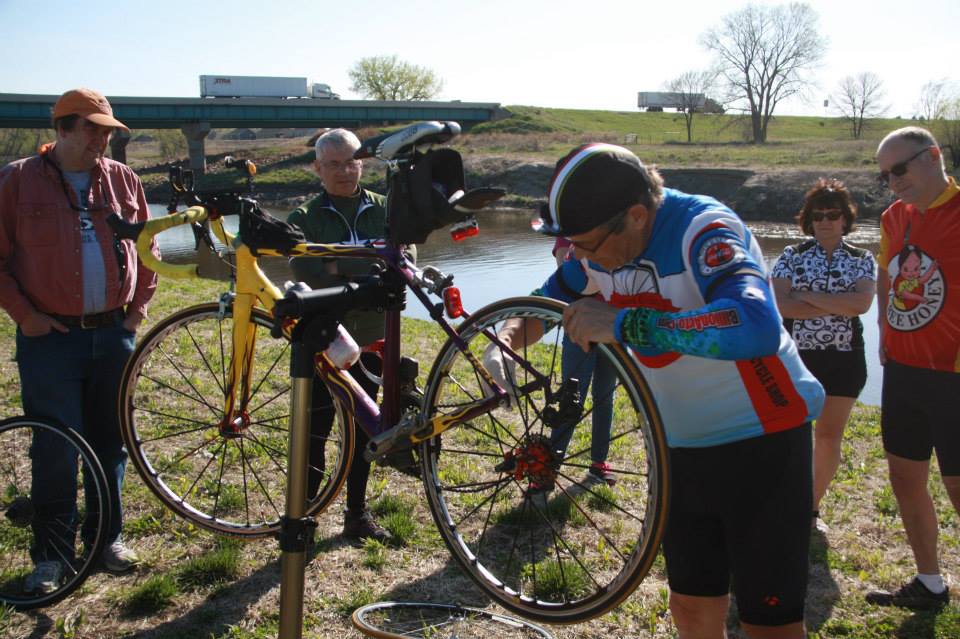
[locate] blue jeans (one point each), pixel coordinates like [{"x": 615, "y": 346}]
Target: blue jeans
[
  {"x": 574, "y": 362},
  {"x": 74, "y": 379}
]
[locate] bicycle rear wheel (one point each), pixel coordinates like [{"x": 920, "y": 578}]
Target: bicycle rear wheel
[
  {"x": 523, "y": 515},
  {"x": 227, "y": 478},
  {"x": 26, "y": 518},
  {"x": 401, "y": 620}
]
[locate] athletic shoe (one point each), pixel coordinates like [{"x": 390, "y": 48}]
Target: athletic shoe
[
  {"x": 45, "y": 577},
  {"x": 360, "y": 525},
  {"x": 599, "y": 473},
  {"x": 913, "y": 595},
  {"x": 818, "y": 525},
  {"x": 119, "y": 558}
]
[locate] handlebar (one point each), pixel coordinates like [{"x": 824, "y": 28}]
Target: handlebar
[{"x": 143, "y": 233}]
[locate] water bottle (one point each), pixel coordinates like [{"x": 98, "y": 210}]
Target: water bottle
[{"x": 343, "y": 351}]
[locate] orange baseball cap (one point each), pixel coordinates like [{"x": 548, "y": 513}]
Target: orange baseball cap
[{"x": 88, "y": 104}]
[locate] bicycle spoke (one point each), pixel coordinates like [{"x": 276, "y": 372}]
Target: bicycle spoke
[
  {"x": 196, "y": 346},
  {"x": 199, "y": 395}
]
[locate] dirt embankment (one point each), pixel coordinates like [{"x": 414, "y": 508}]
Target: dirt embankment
[{"x": 756, "y": 194}]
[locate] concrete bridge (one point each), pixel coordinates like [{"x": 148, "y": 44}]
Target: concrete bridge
[{"x": 195, "y": 117}]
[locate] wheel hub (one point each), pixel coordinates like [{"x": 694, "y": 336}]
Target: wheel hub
[
  {"x": 533, "y": 460},
  {"x": 231, "y": 429}
]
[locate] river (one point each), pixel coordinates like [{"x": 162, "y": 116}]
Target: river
[{"x": 507, "y": 259}]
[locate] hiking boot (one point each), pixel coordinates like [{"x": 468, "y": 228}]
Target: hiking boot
[
  {"x": 360, "y": 525},
  {"x": 599, "y": 473},
  {"x": 45, "y": 577},
  {"x": 119, "y": 558},
  {"x": 537, "y": 494},
  {"x": 913, "y": 595}
]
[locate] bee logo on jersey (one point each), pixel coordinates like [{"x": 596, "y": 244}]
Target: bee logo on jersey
[{"x": 716, "y": 254}]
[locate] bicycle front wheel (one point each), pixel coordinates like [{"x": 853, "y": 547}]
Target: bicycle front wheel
[
  {"x": 555, "y": 506},
  {"x": 36, "y": 527},
  {"x": 227, "y": 478}
]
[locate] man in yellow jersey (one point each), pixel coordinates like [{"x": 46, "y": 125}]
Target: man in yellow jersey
[{"x": 918, "y": 301}]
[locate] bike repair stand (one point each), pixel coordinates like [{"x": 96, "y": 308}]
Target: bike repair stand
[{"x": 296, "y": 530}]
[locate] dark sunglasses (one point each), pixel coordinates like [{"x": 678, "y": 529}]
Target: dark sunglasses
[
  {"x": 900, "y": 168},
  {"x": 831, "y": 214}
]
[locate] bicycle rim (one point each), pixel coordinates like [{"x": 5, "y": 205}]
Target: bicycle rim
[
  {"x": 518, "y": 515},
  {"x": 392, "y": 620},
  {"x": 26, "y": 518},
  {"x": 227, "y": 480}
]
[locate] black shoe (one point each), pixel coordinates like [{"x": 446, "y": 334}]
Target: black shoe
[
  {"x": 913, "y": 595},
  {"x": 360, "y": 525}
]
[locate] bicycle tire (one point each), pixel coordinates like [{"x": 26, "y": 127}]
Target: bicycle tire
[
  {"x": 407, "y": 619},
  {"x": 572, "y": 553},
  {"x": 22, "y": 518},
  {"x": 171, "y": 409}
]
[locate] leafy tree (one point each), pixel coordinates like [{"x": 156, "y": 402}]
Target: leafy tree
[
  {"x": 764, "y": 54},
  {"x": 858, "y": 98},
  {"x": 691, "y": 88},
  {"x": 386, "y": 77},
  {"x": 171, "y": 143}
]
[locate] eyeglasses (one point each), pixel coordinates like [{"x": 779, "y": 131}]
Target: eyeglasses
[
  {"x": 900, "y": 168},
  {"x": 336, "y": 165},
  {"x": 831, "y": 214},
  {"x": 595, "y": 247}
]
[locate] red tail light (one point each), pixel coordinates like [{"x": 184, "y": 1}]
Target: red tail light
[
  {"x": 452, "y": 302},
  {"x": 460, "y": 232}
]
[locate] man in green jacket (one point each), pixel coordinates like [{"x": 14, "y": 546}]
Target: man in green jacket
[{"x": 343, "y": 212}]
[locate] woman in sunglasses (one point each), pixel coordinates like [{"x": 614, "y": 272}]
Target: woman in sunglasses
[{"x": 822, "y": 286}]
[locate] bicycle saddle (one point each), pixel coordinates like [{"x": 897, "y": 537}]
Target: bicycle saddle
[{"x": 390, "y": 146}]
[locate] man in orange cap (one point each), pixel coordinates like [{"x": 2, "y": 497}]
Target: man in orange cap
[{"x": 77, "y": 294}]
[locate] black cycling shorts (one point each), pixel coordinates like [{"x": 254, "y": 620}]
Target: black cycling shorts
[
  {"x": 920, "y": 413},
  {"x": 842, "y": 373},
  {"x": 740, "y": 515}
]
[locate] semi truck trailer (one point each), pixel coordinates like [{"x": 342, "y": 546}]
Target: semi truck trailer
[{"x": 250, "y": 86}]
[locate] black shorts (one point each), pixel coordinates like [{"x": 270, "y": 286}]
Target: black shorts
[
  {"x": 740, "y": 512},
  {"x": 842, "y": 373},
  {"x": 920, "y": 413}
]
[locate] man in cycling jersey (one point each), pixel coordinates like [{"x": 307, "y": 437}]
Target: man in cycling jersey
[{"x": 683, "y": 284}]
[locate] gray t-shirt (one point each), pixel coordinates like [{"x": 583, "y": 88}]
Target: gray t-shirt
[{"x": 94, "y": 276}]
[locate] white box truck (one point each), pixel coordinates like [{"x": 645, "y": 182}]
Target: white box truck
[{"x": 250, "y": 86}]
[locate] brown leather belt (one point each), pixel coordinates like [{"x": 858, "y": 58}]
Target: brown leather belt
[{"x": 93, "y": 320}]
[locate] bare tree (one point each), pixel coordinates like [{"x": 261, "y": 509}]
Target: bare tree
[
  {"x": 691, "y": 88},
  {"x": 386, "y": 77},
  {"x": 949, "y": 130},
  {"x": 858, "y": 98},
  {"x": 764, "y": 54},
  {"x": 934, "y": 99}
]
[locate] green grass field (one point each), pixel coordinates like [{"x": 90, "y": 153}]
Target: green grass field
[{"x": 194, "y": 583}]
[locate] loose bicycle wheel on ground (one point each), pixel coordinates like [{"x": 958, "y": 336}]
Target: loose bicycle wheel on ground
[
  {"x": 37, "y": 528},
  {"x": 228, "y": 478},
  {"x": 515, "y": 494},
  {"x": 393, "y": 620}
]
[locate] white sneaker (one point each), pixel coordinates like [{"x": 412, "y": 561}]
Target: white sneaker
[
  {"x": 45, "y": 577},
  {"x": 119, "y": 558}
]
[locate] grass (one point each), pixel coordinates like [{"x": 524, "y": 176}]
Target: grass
[{"x": 196, "y": 584}]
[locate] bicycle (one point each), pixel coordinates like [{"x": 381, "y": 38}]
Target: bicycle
[
  {"x": 480, "y": 447},
  {"x": 26, "y": 516}
]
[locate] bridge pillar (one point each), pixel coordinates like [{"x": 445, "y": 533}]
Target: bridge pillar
[
  {"x": 118, "y": 145},
  {"x": 196, "y": 133}
]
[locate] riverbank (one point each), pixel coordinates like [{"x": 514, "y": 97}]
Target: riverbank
[{"x": 755, "y": 193}]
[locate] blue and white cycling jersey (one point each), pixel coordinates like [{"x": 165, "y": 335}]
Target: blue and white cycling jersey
[{"x": 701, "y": 320}]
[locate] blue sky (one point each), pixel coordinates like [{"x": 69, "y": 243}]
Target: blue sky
[{"x": 556, "y": 53}]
